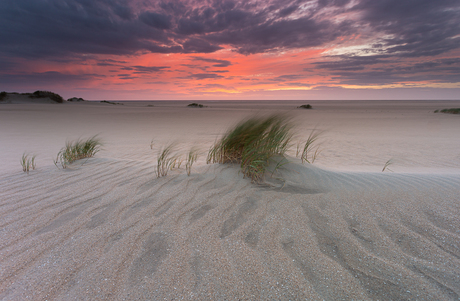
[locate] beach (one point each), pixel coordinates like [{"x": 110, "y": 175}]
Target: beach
[{"x": 338, "y": 229}]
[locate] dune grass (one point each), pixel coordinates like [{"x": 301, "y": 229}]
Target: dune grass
[
  {"x": 308, "y": 151},
  {"x": 191, "y": 158},
  {"x": 449, "y": 111},
  {"x": 43, "y": 94},
  {"x": 385, "y": 166},
  {"x": 27, "y": 162},
  {"x": 77, "y": 150},
  {"x": 307, "y": 106},
  {"x": 252, "y": 143},
  {"x": 167, "y": 160},
  {"x": 196, "y": 105},
  {"x": 3, "y": 95}
]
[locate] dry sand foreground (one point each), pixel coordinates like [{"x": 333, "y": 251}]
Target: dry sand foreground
[{"x": 336, "y": 230}]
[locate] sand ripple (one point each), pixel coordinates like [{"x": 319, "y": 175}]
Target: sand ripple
[{"x": 110, "y": 230}]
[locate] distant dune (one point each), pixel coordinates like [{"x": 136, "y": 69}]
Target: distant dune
[{"x": 36, "y": 97}]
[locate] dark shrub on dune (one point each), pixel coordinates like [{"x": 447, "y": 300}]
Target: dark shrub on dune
[
  {"x": 305, "y": 107},
  {"x": 449, "y": 111},
  {"x": 2, "y": 95},
  {"x": 195, "y": 105},
  {"x": 75, "y": 99},
  {"x": 43, "y": 94}
]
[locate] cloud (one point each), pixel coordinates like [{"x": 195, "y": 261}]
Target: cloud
[
  {"x": 287, "y": 77},
  {"x": 156, "y": 20},
  {"x": 372, "y": 70},
  {"x": 216, "y": 63},
  {"x": 205, "y": 76},
  {"x": 44, "y": 78},
  {"x": 194, "y": 45},
  {"x": 145, "y": 69},
  {"x": 64, "y": 28},
  {"x": 373, "y": 40},
  {"x": 414, "y": 29}
]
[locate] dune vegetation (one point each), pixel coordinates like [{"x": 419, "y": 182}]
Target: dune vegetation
[
  {"x": 449, "y": 111},
  {"x": 196, "y": 105},
  {"x": 3, "y": 95},
  {"x": 167, "y": 160},
  {"x": 77, "y": 150},
  {"x": 252, "y": 143},
  {"x": 307, "y": 106},
  {"x": 27, "y": 162},
  {"x": 44, "y": 94}
]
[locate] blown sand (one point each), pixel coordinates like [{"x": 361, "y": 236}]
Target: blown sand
[{"x": 338, "y": 229}]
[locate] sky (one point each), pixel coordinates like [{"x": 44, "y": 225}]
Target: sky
[{"x": 232, "y": 50}]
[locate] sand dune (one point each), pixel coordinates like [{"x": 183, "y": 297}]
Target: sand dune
[{"x": 107, "y": 228}]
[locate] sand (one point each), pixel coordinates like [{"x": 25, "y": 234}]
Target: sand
[{"x": 338, "y": 229}]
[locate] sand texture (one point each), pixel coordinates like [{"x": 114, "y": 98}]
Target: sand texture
[{"x": 339, "y": 229}]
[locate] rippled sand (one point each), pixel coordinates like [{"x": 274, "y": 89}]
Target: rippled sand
[{"x": 108, "y": 228}]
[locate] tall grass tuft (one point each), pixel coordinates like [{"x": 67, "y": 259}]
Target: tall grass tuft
[
  {"x": 192, "y": 156},
  {"x": 167, "y": 160},
  {"x": 307, "y": 151},
  {"x": 77, "y": 150},
  {"x": 27, "y": 162},
  {"x": 252, "y": 143}
]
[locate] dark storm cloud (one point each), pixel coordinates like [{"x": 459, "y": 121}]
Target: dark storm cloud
[
  {"x": 69, "y": 28},
  {"x": 365, "y": 70},
  {"x": 195, "y": 45},
  {"x": 156, "y": 20},
  {"x": 43, "y": 78},
  {"x": 415, "y": 27}
]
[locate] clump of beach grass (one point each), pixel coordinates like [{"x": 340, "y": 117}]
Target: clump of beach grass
[
  {"x": 449, "y": 111},
  {"x": 308, "y": 151},
  {"x": 43, "y": 94},
  {"x": 28, "y": 162},
  {"x": 191, "y": 158},
  {"x": 252, "y": 143},
  {"x": 167, "y": 160},
  {"x": 77, "y": 150},
  {"x": 196, "y": 105},
  {"x": 3, "y": 95},
  {"x": 307, "y": 106}
]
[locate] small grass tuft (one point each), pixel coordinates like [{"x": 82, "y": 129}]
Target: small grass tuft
[
  {"x": 192, "y": 156},
  {"x": 305, "y": 150},
  {"x": 167, "y": 160},
  {"x": 27, "y": 162},
  {"x": 385, "y": 167},
  {"x": 77, "y": 150},
  {"x": 308, "y": 106},
  {"x": 252, "y": 143}
]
